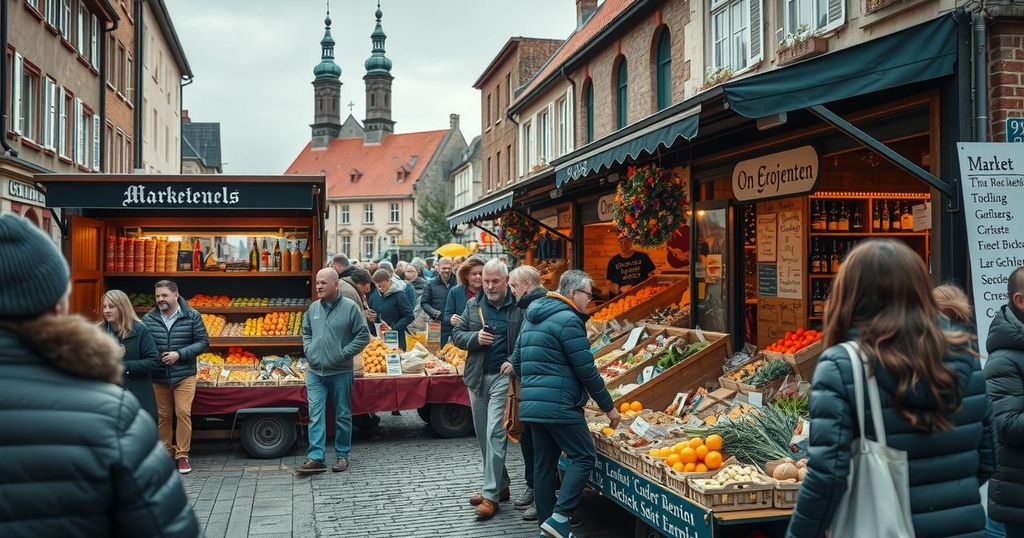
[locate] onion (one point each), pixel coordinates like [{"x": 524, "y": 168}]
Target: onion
[
  {"x": 801, "y": 473},
  {"x": 786, "y": 471}
]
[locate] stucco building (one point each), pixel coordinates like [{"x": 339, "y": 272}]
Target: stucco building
[{"x": 158, "y": 87}]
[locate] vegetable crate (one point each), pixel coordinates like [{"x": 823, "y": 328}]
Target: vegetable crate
[
  {"x": 803, "y": 361},
  {"x": 679, "y": 482},
  {"x": 652, "y": 334},
  {"x": 785, "y": 494},
  {"x": 678, "y": 285},
  {"x": 698, "y": 370},
  {"x": 732, "y": 497},
  {"x": 647, "y": 466}
]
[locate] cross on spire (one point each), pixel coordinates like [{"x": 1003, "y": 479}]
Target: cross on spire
[{"x": 351, "y": 105}]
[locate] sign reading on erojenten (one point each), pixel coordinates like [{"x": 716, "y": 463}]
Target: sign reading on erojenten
[
  {"x": 166, "y": 195},
  {"x": 786, "y": 173}
]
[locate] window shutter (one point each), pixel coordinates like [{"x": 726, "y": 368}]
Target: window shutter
[
  {"x": 80, "y": 34},
  {"x": 96, "y": 142},
  {"x": 47, "y": 114},
  {"x": 62, "y": 122},
  {"x": 570, "y": 121},
  {"x": 16, "y": 95},
  {"x": 756, "y": 30},
  {"x": 94, "y": 50},
  {"x": 836, "y": 15}
]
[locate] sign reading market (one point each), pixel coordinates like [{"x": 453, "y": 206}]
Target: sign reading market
[
  {"x": 141, "y": 194},
  {"x": 786, "y": 173}
]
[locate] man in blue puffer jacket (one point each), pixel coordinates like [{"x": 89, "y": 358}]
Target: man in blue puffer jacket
[{"x": 553, "y": 359}]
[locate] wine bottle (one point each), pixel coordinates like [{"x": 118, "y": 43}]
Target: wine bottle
[
  {"x": 254, "y": 256},
  {"x": 819, "y": 224},
  {"x": 844, "y": 217},
  {"x": 277, "y": 255},
  {"x": 264, "y": 257},
  {"x": 835, "y": 257},
  {"x": 895, "y": 215},
  {"x": 858, "y": 219},
  {"x": 307, "y": 258},
  {"x": 885, "y": 217},
  {"x": 197, "y": 257},
  {"x": 876, "y": 218},
  {"x": 907, "y": 219},
  {"x": 816, "y": 258}
]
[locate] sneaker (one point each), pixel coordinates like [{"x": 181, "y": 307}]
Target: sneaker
[
  {"x": 184, "y": 467},
  {"x": 530, "y": 514},
  {"x": 556, "y": 529},
  {"x": 340, "y": 466},
  {"x": 310, "y": 467},
  {"x": 525, "y": 500},
  {"x": 575, "y": 521}
]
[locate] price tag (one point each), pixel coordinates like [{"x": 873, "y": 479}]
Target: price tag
[
  {"x": 755, "y": 399},
  {"x": 700, "y": 335},
  {"x": 614, "y": 326},
  {"x": 646, "y": 375},
  {"x": 394, "y": 361},
  {"x": 634, "y": 338},
  {"x": 694, "y": 423},
  {"x": 434, "y": 332},
  {"x": 391, "y": 339},
  {"x": 642, "y": 428}
]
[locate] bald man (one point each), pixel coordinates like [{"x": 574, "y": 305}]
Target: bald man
[{"x": 333, "y": 332}]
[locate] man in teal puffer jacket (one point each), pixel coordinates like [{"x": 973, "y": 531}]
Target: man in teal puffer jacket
[{"x": 552, "y": 358}]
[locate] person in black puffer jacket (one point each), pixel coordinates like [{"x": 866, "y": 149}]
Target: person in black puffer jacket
[
  {"x": 1004, "y": 372},
  {"x": 932, "y": 394},
  {"x": 79, "y": 456},
  {"x": 180, "y": 337}
]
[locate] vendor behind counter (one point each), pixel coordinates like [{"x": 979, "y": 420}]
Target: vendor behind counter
[{"x": 629, "y": 267}]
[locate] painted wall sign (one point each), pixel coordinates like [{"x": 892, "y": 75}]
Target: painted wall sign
[
  {"x": 993, "y": 191},
  {"x": 606, "y": 207},
  {"x": 167, "y": 195},
  {"x": 785, "y": 173},
  {"x": 24, "y": 191}
]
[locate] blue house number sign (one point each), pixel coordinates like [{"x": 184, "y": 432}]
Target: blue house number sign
[{"x": 1015, "y": 129}]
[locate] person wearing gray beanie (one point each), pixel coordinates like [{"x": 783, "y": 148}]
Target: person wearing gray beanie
[{"x": 72, "y": 436}]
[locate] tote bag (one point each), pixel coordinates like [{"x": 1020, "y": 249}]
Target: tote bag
[{"x": 877, "y": 501}]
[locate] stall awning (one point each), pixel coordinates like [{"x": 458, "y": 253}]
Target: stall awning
[
  {"x": 482, "y": 209},
  {"x": 919, "y": 53},
  {"x": 645, "y": 139}
]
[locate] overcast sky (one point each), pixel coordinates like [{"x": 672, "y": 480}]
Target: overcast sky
[{"x": 253, "y": 63}]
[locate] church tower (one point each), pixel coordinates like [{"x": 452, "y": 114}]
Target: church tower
[
  {"x": 378, "y": 123},
  {"x": 326, "y": 92}
]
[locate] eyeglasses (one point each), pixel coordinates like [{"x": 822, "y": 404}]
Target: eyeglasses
[{"x": 589, "y": 295}]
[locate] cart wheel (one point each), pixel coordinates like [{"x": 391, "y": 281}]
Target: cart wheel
[
  {"x": 451, "y": 420},
  {"x": 643, "y": 530},
  {"x": 366, "y": 423},
  {"x": 424, "y": 413},
  {"x": 268, "y": 436}
]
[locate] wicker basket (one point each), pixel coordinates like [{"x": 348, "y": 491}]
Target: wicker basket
[
  {"x": 679, "y": 482},
  {"x": 651, "y": 468},
  {"x": 785, "y": 493},
  {"x": 605, "y": 445},
  {"x": 733, "y": 497}
]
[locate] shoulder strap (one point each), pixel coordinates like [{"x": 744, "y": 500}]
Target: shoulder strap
[
  {"x": 480, "y": 309},
  {"x": 857, "y": 362}
]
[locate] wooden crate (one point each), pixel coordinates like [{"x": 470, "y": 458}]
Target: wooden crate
[
  {"x": 785, "y": 494},
  {"x": 732, "y": 497},
  {"x": 652, "y": 335},
  {"x": 696, "y": 371},
  {"x": 678, "y": 285},
  {"x": 679, "y": 482},
  {"x": 645, "y": 465},
  {"x": 630, "y": 375}
]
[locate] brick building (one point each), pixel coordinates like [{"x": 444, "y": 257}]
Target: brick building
[
  {"x": 1006, "y": 69},
  {"x": 119, "y": 123}
]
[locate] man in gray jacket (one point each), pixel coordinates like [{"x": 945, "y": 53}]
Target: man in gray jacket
[{"x": 333, "y": 332}]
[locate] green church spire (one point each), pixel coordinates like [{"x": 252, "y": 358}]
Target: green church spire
[
  {"x": 327, "y": 68},
  {"x": 378, "y": 62}
]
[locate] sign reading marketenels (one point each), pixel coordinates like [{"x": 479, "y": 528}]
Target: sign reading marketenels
[
  {"x": 786, "y": 173},
  {"x": 166, "y": 195}
]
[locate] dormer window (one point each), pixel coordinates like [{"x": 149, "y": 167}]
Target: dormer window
[
  {"x": 402, "y": 174},
  {"x": 354, "y": 175}
]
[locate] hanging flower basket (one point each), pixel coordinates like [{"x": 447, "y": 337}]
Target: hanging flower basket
[
  {"x": 802, "y": 50},
  {"x": 517, "y": 234},
  {"x": 649, "y": 205}
]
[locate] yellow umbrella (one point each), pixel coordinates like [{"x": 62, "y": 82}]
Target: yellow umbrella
[{"x": 451, "y": 250}]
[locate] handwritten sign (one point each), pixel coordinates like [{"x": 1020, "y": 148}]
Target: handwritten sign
[
  {"x": 922, "y": 216},
  {"x": 767, "y": 237},
  {"x": 391, "y": 339},
  {"x": 394, "y": 361},
  {"x": 767, "y": 280},
  {"x": 791, "y": 255}
]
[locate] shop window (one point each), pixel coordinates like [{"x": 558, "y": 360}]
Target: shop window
[
  {"x": 663, "y": 69},
  {"x": 588, "y": 106},
  {"x": 735, "y": 34},
  {"x": 367, "y": 213},
  {"x": 813, "y": 16},
  {"x": 394, "y": 214},
  {"x": 621, "y": 93},
  {"x": 344, "y": 214}
]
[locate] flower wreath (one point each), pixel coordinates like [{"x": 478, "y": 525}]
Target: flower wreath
[
  {"x": 517, "y": 233},
  {"x": 649, "y": 205}
]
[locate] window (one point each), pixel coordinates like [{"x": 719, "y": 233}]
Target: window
[
  {"x": 94, "y": 36},
  {"x": 50, "y": 117},
  {"x": 735, "y": 34},
  {"x": 346, "y": 246},
  {"x": 128, "y": 78},
  {"x": 53, "y": 11},
  {"x": 497, "y": 168},
  {"x": 528, "y": 149},
  {"x": 95, "y": 142},
  {"x": 490, "y": 176},
  {"x": 121, "y": 82},
  {"x": 128, "y": 156},
  {"x": 510, "y": 159},
  {"x": 344, "y": 215},
  {"x": 588, "y": 105},
  {"x": 487, "y": 113},
  {"x": 64, "y": 129},
  {"x": 663, "y": 69},
  {"x": 367, "y": 213},
  {"x": 394, "y": 215},
  {"x": 156, "y": 131},
  {"x": 621, "y": 94},
  {"x": 563, "y": 125},
  {"x": 544, "y": 134},
  {"x": 26, "y": 93},
  {"x": 368, "y": 241},
  {"x": 813, "y": 15},
  {"x": 497, "y": 104},
  {"x": 65, "y": 20},
  {"x": 82, "y": 33}
]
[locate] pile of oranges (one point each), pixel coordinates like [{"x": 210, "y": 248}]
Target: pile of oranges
[
  {"x": 274, "y": 324},
  {"x": 201, "y": 301},
  {"x": 237, "y": 355},
  {"x": 214, "y": 324},
  {"x": 630, "y": 409},
  {"x": 626, "y": 303},
  {"x": 693, "y": 456},
  {"x": 794, "y": 341}
]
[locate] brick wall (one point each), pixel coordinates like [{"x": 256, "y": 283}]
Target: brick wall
[
  {"x": 120, "y": 115},
  {"x": 1006, "y": 75}
]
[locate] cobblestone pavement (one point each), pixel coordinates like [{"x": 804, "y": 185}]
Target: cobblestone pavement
[{"x": 403, "y": 481}]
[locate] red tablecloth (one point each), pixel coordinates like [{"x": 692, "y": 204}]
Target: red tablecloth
[{"x": 373, "y": 394}]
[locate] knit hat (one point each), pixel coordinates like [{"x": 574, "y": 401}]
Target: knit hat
[{"x": 33, "y": 273}]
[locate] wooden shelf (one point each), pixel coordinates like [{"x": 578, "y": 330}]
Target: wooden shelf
[
  {"x": 869, "y": 234},
  {"x": 822, "y": 276},
  {"x": 255, "y": 341},
  {"x": 235, "y": 309},
  {"x": 210, "y": 274}
]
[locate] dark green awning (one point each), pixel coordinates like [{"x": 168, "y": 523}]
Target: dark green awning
[
  {"x": 645, "y": 140},
  {"x": 923, "y": 52},
  {"x": 481, "y": 210}
]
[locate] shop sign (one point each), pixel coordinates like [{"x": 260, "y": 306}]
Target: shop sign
[
  {"x": 24, "y": 191},
  {"x": 993, "y": 193},
  {"x": 1015, "y": 130},
  {"x": 606, "y": 208},
  {"x": 786, "y": 173},
  {"x": 178, "y": 195},
  {"x": 565, "y": 219},
  {"x": 664, "y": 510}
]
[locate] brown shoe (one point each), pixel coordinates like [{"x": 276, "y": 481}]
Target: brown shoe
[
  {"x": 478, "y": 498},
  {"x": 340, "y": 466},
  {"x": 311, "y": 467},
  {"x": 487, "y": 509}
]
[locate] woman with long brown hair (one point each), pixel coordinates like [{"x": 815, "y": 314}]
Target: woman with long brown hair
[
  {"x": 139, "y": 350},
  {"x": 932, "y": 393}
]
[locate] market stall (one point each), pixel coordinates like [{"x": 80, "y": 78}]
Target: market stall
[{"x": 244, "y": 252}]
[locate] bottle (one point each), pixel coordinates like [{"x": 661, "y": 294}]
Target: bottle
[
  {"x": 816, "y": 258},
  {"x": 254, "y": 256},
  {"x": 885, "y": 217},
  {"x": 818, "y": 223},
  {"x": 197, "y": 257},
  {"x": 835, "y": 257},
  {"x": 277, "y": 255},
  {"x": 264, "y": 257},
  {"x": 907, "y": 219},
  {"x": 844, "y": 217},
  {"x": 211, "y": 260},
  {"x": 833, "y": 218},
  {"x": 286, "y": 258},
  {"x": 895, "y": 216},
  {"x": 857, "y": 224},
  {"x": 296, "y": 265},
  {"x": 876, "y": 218},
  {"x": 307, "y": 258}
]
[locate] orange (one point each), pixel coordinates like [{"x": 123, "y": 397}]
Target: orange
[
  {"x": 713, "y": 460},
  {"x": 690, "y": 467},
  {"x": 654, "y": 453},
  {"x": 701, "y": 468},
  {"x": 688, "y": 455},
  {"x": 696, "y": 442},
  {"x": 702, "y": 451},
  {"x": 714, "y": 442},
  {"x": 679, "y": 468},
  {"x": 679, "y": 446},
  {"x": 636, "y": 406},
  {"x": 673, "y": 459},
  {"x": 624, "y": 407}
]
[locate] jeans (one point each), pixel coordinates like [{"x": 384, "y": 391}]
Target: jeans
[
  {"x": 175, "y": 399},
  {"x": 549, "y": 441},
  {"x": 488, "y": 414},
  {"x": 339, "y": 387},
  {"x": 526, "y": 444}
]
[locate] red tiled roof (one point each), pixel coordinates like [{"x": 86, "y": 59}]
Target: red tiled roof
[
  {"x": 605, "y": 14},
  {"x": 378, "y": 164}
]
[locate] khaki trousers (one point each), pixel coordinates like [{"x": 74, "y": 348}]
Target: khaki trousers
[{"x": 176, "y": 399}]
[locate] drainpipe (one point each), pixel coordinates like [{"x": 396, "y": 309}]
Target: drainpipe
[
  {"x": 3, "y": 86},
  {"x": 139, "y": 77},
  {"x": 103, "y": 92},
  {"x": 181, "y": 124},
  {"x": 980, "y": 77}
]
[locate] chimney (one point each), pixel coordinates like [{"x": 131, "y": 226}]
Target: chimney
[
  {"x": 584, "y": 10},
  {"x": 454, "y": 122},
  {"x": 184, "y": 116}
]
